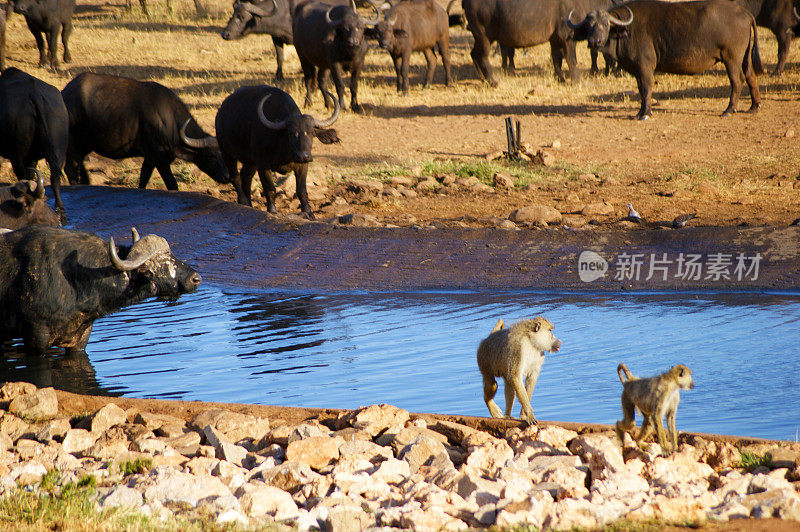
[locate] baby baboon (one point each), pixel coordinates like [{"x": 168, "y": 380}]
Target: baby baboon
[
  {"x": 515, "y": 354},
  {"x": 654, "y": 397}
]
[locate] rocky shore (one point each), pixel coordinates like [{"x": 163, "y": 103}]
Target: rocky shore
[{"x": 380, "y": 466}]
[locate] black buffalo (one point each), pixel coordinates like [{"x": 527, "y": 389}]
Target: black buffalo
[
  {"x": 680, "y": 38},
  {"x": 412, "y": 26},
  {"x": 523, "y": 23},
  {"x": 24, "y": 203},
  {"x": 330, "y": 39},
  {"x": 262, "y": 127},
  {"x": 54, "y": 283},
  {"x": 781, "y": 17},
  {"x": 120, "y": 117},
  {"x": 34, "y": 125},
  {"x": 272, "y": 17},
  {"x": 48, "y": 17}
]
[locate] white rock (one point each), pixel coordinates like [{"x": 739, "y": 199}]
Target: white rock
[
  {"x": 174, "y": 486},
  {"x": 269, "y": 501},
  {"x": 77, "y": 440},
  {"x": 107, "y": 417},
  {"x": 392, "y": 471},
  {"x": 556, "y": 436},
  {"x": 232, "y": 516},
  {"x": 122, "y": 496}
]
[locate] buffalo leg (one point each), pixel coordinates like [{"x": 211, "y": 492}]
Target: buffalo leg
[
  {"x": 247, "y": 183},
  {"x": 41, "y": 46},
  {"x": 508, "y": 59},
  {"x": 431, "y": 60},
  {"x": 268, "y": 185},
  {"x": 300, "y": 175},
  {"x": 645, "y": 82},
  {"x": 166, "y": 175},
  {"x": 480, "y": 56},
  {"x": 66, "y": 30},
  {"x": 55, "y": 184},
  {"x": 309, "y": 73},
  {"x": 784, "y": 38},
  {"x": 572, "y": 60},
  {"x": 593, "y": 54},
  {"x": 145, "y": 173},
  {"x": 52, "y": 49},
  {"x": 752, "y": 85},
  {"x": 404, "y": 68},
  {"x": 736, "y": 77},
  {"x": 398, "y": 70},
  {"x": 557, "y": 55},
  {"x": 236, "y": 181},
  {"x": 322, "y": 83},
  {"x": 336, "y": 75},
  {"x": 355, "y": 74},
  {"x": 444, "y": 51},
  {"x": 36, "y": 340},
  {"x": 278, "y": 58}
]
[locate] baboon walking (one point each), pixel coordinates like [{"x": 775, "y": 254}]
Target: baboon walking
[
  {"x": 655, "y": 397},
  {"x": 515, "y": 354}
]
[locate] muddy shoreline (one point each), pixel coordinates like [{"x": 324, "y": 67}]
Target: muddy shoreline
[{"x": 234, "y": 245}]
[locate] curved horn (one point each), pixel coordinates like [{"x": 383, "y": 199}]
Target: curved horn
[
  {"x": 39, "y": 192},
  {"x": 571, "y": 24},
  {"x": 382, "y": 6},
  {"x": 450, "y": 5},
  {"x": 618, "y": 22},
  {"x": 328, "y": 15},
  {"x": 143, "y": 250},
  {"x": 795, "y": 14},
  {"x": 207, "y": 142},
  {"x": 134, "y": 235},
  {"x": 392, "y": 20},
  {"x": 258, "y": 11},
  {"x": 329, "y": 122},
  {"x": 269, "y": 124},
  {"x": 372, "y": 21}
]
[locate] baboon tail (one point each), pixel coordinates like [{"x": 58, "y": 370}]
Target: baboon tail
[
  {"x": 622, "y": 368},
  {"x": 499, "y": 326}
]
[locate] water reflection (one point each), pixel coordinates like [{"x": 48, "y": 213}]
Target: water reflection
[{"x": 417, "y": 351}]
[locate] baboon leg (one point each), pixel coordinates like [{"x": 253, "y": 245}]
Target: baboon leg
[
  {"x": 628, "y": 422},
  {"x": 522, "y": 395},
  {"x": 489, "y": 389},
  {"x": 660, "y": 432},
  {"x": 645, "y": 431},
  {"x": 673, "y": 433},
  {"x": 509, "y": 391}
]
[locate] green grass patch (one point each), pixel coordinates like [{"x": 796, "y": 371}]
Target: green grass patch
[
  {"x": 135, "y": 467},
  {"x": 750, "y": 461}
]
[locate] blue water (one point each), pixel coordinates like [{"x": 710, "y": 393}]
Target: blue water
[{"x": 417, "y": 351}]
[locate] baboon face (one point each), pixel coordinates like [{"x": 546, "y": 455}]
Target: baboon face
[
  {"x": 683, "y": 376},
  {"x": 542, "y": 336}
]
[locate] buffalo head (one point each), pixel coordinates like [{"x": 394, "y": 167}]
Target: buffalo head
[
  {"x": 597, "y": 25},
  {"x": 301, "y": 129},
  {"x": 388, "y": 33},
  {"x": 25, "y": 7},
  {"x": 348, "y": 24},
  {"x": 150, "y": 262},
  {"x": 24, "y": 204},
  {"x": 204, "y": 153},
  {"x": 244, "y": 18}
]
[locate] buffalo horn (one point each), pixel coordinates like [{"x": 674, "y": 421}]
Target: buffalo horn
[
  {"x": 372, "y": 21},
  {"x": 382, "y": 6},
  {"x": 206, "y": 142},
  {"x": 618, "y": 22},
  {"x": 450, "y": 5},
  {"x": 258, "y": 11},
  {"x": 39, "y": 192},
  {"x": 392, "y": 20},
  {"x": 269, "y": 124},
  {"x": 143, "y": 250},
  {"x": 328, "y": 15},
  {"x": 134, "y": 235},
  {"x": 571, "y": 24},
  {"x": 329, "y": 122},
  {"x": 795, "y": 14}
]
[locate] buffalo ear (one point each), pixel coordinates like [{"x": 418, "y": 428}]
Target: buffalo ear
[
  {"x": 20, "y": 193},
  {"x": 371, "y": 32},
  {"x": 400, "y": 33},
  {"x": 326, "y": 136}
]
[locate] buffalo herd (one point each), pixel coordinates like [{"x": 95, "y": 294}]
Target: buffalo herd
[{"x": 55, "y": 282}]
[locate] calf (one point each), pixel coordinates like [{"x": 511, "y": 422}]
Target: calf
[
  {"x": 23, "y": 204},
  {"x": 413, "y": 26},
  {"x": 48, "y": 17}
]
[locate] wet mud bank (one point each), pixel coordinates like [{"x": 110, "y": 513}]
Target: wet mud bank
[{"x": 234, "y": 245}]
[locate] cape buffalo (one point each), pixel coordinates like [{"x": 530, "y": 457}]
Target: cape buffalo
[
  {"x": 120, "y": 117},
  {"x": 33, "y": 125},
  {"x": 23, "y": 204},
  {"x": 680, "y": 38},
  {"x": 782, "y": 18},
  {"x": 272, "y": 17},
  {"x": 330, "y": 39},
  {"x": 262, "y": 127},
  {"x": 411, "y": 26},
  {"x": 48, "y": 17},
  {"x": 54, "y": 283}
]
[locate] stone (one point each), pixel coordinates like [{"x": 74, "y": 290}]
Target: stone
[
  {"x": 156, "y": 421},
  {"x": 27, "y": 472},
  {"x": 433, "y": 518},
  {"x": 531, "y": 511},
  {"x": 39, "y": 405},
  {"x": 782, "y": 457},
  {"x": 503, "y": 181},
  {"x": 407, "y": 435},
  {"x": 172, "y": 430},
  {"x": 77, "y": 440},
  {"x": 107, "y": 417},
  {"x": 374, "y": 419},
  {"x": 536, "y": 214},
  {"x": 171, "y": 486},
  {"x": 55, "y": 429},
  {"x": 459, "y": 434},
  {"x": 231, "y": 452},
  {"x": 358, "y": 220},
  {"x": 491, "y": 456},
  {"x": 599, "y": 208},
  {"x": 371, "y": 451},
  {"x": 11, "y": 390},
  {"x": 13, "y": 427},
  {"x": 289, "y": 476},
  {"x": 269, "y": 501},
  {"x": 122, "y": 497},
  {"x": 601, "y": 453},
  {"x": 185, "y": 439},
  {"x": 318, "y": 451},
  {"x": 346, "y": 518},
  {"x": 307, "y": 430},
  {"x": 425, "y": 450},
  {"x": 392, "y": 471}
]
